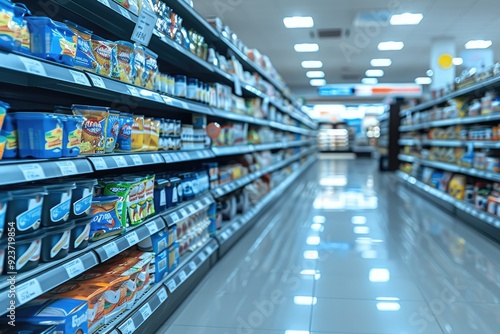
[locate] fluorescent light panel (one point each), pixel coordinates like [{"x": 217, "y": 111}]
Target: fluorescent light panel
[
  {"x": 369, "y": 81},
  {"x": 381, "y": 62},
  {"x": 478, "y": 44},
  {"x": 315, "y": 74},
  {"x": 312, "y": 64},
  {"x": 306, "y": 47},
  {"x": 318, "y": 82},
  {"x": 458, "y": 61},
  {"x": 374, "y": 73},
  {"x": 298, "y": 22},
  {"x": 406, "y": 19},
  {"x": 391, "y": 46}
]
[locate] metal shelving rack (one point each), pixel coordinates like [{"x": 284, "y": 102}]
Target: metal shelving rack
[
  {"x": 387, "y": 145},
  {"x": 34, "y": 83}
]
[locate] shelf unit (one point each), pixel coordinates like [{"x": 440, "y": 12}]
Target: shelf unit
[
  {"x": 387, "y": 145},
  {"x": 35, "y": 82},
  {"x": 413, "y": 139}
]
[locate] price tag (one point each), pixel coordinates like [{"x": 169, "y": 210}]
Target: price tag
[
  {"x": 209, "y": 249},
  {"x": 192, "y": 265},
  {"x": 237, "y": 86},
  {"x": 136, "y": 159},
  {"x": 133, "y": 91},
  {"x": 168, "y": 158},
  {"x": 184, "y": 213},
  {"x": 67, "y": 167},
  {"x": 120, "y": 161},
  {"x": 219, "y": 191},
  {"x": 157, "y": 158},
  {"x": 200, "y": 154},
  {"x": 104, "y": 2},
  {"x": 162, "y": 295},
  {"x": 124, "y": 12},
  {"x": 236, "y": 226},
  {"x": 146, "y": 311},
  {"x": 224, "y": 235},
  {"x": 152, "y": 227},
  {"x": 97, "y": 80},
  {"x": 110, "y": 249},
  {"x": 28, "y": 291},
  {"x": 132, "y": 238},
  {"x": 128, "y": 327},
  {"x": 33, "y": 66},
  {"x": 184, "y": 105},
  {"x": 157, "y": 98},
  {"x": 182, "y": 276},
  {"x": 167, "y": 100},
  {"x": 171, "y": 285},
  {"x": 175, "y": 217},
  {"x": 145, "y": 26},
  {"x": 191, "y": 208},
  {"x": 99, "y": 163},
  {"x": 202, "y": 257},
  {"x": 80, "y": 78},
  {"x": 74, "y": 268},
  {"x": 32, "y": 171}
]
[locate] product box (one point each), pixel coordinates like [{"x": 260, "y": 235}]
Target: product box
[
  {"x": 161, "y": 266},
  {"x": 173, "y": 257}
]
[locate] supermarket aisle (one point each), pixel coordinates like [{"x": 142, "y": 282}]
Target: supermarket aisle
[{"x": 350, "y": 251}]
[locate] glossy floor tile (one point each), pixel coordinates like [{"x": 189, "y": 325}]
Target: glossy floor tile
[{"x": 348, "y": 250}]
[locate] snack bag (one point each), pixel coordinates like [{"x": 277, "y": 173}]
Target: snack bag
[
  {"x": 104, "y": 52},
  {"x": 139, "y": 65},
  {"x": 94, "y": 128},
  {"x": 85, "y": 58},
  {"x": 125, "y": 61}
]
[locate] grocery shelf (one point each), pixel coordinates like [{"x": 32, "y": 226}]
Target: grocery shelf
[
  {"x": 444, "y": 143},
  {"x": 409, "y": 142},
  {"x": 483, "y": 220},
  {"x": 243, "y": 149},
  {"x": 183, "y": 156},
  {"x": 185, "y": 210},
  {"x": 240, "y": 183},
  {"x": 481, "y": 174},
  {"x": 19, "y": 171},
  {"x": 475, "y": 88},
  {"x": 451, "y": 122},
  {"x": 114, "y": 161}
]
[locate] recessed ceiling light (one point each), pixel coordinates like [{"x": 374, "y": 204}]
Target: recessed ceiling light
[
  {"x": 458, "y": 61},
  {"x": 305, "y": 300},
  {"x": 379, "y": 275},
  {"x": 374, "y": 73},
  {"x": 318, "y": 82},
  {"x": 406, "y": 19},
  {"x": 423, "y": 81},
  {"x": 315, "y": 74},
  {"x": 478, "y": 44},
  {"x": 298, "y": 22},
  {"x": 369, "y": 81},
  {"x": 430, "y": 73},
  {"x": 391, "y": 46},
  {"x": 388, "y": 306},
  {"x": 382, "y": 62},
  {"x": 312, "y": 64},
  {"x": 307, "y": 47}
]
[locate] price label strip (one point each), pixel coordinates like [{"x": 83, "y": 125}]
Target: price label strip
[
  {"x": 97, "y": 80},
  {"x": 111, "y": 249},
  {"x": 152, "y": 227},
  {"x": 145, "y": 26},
  {"x": 32, "y": 172},
  {"x": 74, "y": 268},
  {"x": 175, "y": 217},
  {"x": 133, "y": 91},
  {"x": 162, "y": 295},
  {"x": 120, "y": 161},
  {"x": 171, "y": 285},
  {"x": 99, "y": 163},
  {"x": 33, "y": 66},
  {"x": 28, "y": 291},
  {"x": 80, "y": 78},
  {"x": 146, "y": 311},
  {"x": 136, "y": 159},
  {"x": 182, "y": 276},
  {"x": 67, "y": 167},
  {"x": 128, "y": 327},
  {"x": 132, "y": 238},
  {"x": 184, "y": 213}
]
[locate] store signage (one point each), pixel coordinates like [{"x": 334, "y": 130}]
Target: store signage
[
  {"x": 145, "y": 26},
  {"x": 400, "y": 90}
]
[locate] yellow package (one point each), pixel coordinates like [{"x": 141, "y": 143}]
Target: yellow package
[
  {"x": 125, "y": 61},
  {"x": 456, "y": 187},
  {"x": 105, "y": 54},
  {"x": 147, "y": 134},
  {"x": 139, "y": 65},
  {"x": 138, "y": 133},
  {"x": 154, "y": 142}
]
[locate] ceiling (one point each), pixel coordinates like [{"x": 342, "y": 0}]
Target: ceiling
[{"x": 259, "y": 23}]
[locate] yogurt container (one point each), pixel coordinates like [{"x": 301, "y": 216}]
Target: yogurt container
[
  {"x": 25, "y": 209},
  {"x": 160, "y": 195},
  {"x": 5, "y": 197},
  {"x": 57, "y": 204},
  {"x": 124, "y": 141},
  {"x": 39, "y": 135},
  {"x": 68, "y": 315},
  {"x": 79, "y": 238},
  {"x": 9, "y": 131},
  {"x": 52, "y": 40},
  {"x": 28, "y": 252},
  {"x": 55, "y": 243},
  {"x": 7, "y": 25},
  {"x": 72, "y": 137},
  {"x": 81, "y": 198},
  {"x": 3, "y": 111},
  {"x": 112, "y": 130}
]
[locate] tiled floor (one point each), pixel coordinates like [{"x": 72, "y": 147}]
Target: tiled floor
[{"x": 350, "y": 251}]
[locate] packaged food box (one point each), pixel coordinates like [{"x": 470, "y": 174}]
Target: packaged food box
[
  {"x": 52, "y": 40},
  {"x": 156, "y": 243},
  {"x": 72, "y": 135},
  {"x": 68, "y": 315},
  {"x": 173, "y": 257},
  {"x": 91, "y": 293},
  {"x": 25, "y": 209},
  {"x": 56, "y": 242},
  {"x": 28, "y": 251},
  {"x": 94, "y": 128},
  {"x": 84, "y": 58},
  {"x": 105, "y": 221},
  {"x": 9, "y": 131},
  {"x": 81, "y": 198},
  {"x": 3, "y": 111},
  {"x": 39, "y": 135},
  {"x": 57, "y": 203},
  {"x": 161, "y": 266},
  {"x": 7, "y": 26}
]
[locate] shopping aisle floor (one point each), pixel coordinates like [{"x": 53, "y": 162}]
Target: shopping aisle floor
[{"x": 350, "y": 250}]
